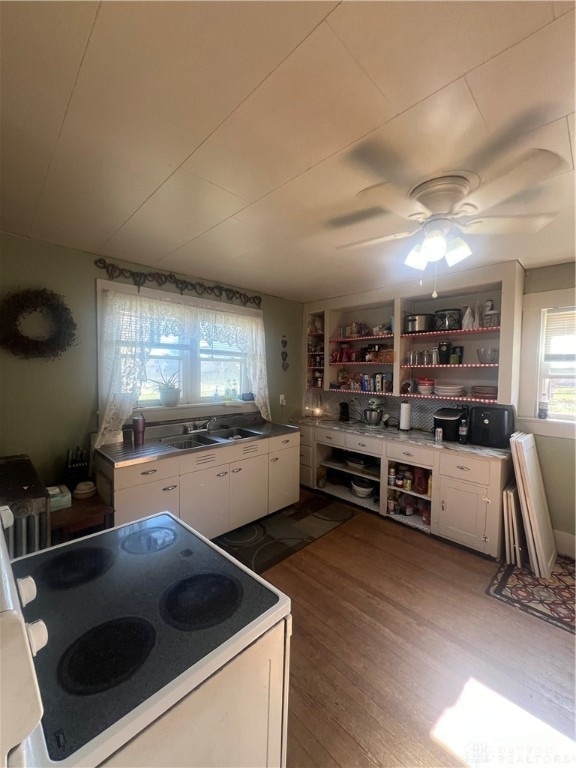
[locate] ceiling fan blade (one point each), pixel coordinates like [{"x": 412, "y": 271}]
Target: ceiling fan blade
[
  {"x": 394, "y": 200},
  {"x": 535, "y": 165},
  {"x": 355, "y": 217},
  {"x": 505, "y": 225},
  {"x": 373, "y": 240}
]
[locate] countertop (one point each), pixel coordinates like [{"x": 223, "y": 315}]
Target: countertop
[
  {"x": 125, "y": 454},
  {"x": 414, "y": 436}
]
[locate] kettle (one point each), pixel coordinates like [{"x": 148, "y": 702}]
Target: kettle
[{"x": 344, "y": 411}]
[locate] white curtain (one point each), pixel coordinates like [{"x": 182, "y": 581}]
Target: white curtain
[{"x": 130, "y": 322}]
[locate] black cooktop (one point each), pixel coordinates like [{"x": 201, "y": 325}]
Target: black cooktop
[{"x": 128, "y": 611}]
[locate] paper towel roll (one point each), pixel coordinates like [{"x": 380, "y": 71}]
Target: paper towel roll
[{"x": 405, "y": 409}]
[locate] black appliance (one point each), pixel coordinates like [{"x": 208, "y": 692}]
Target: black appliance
[
  {"x": 449, "y": 420},
  {"x": 344, "y": 412},
  {"x": 491, "y": 425}
]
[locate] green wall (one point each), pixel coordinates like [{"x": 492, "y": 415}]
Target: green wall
[
  {"x": 48, "y": 406},
  {"x": 556, "y": 455}
]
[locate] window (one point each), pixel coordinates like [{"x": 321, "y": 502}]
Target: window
[
  {"x": 209, "y": 350},
  {"x": 557, "y": 375},
  {"x": 548, "y": 362}
]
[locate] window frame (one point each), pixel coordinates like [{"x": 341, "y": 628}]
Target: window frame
[
  {"x": 195, "y": 364},
  {"x": 532, "y": 335}
]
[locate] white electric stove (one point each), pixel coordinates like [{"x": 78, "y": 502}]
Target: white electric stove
[{"x": 147, "y": 639}]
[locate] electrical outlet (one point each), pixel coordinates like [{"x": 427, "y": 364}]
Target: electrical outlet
[{"x": 282, "y": 400}]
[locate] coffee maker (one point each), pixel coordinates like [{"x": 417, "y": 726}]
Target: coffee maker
[{"x": 344, "y": 411}]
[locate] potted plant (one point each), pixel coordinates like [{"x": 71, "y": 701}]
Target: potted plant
[{"x": 168, "y": 389}]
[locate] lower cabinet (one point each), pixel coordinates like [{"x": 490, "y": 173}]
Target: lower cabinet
[
  {"x": 283, "y": 477},
  {"x": 248, "y": 490},
  {"x": 462, "y": 514},
  {"x": 147, "y": 499},
  {"x": 307, "y": 456},
  {"x": 205, "y": 500}
]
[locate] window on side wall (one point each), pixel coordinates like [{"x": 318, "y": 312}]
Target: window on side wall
[
  {"x": 557, "y": 363},
  {"x": 548, "y": 362}
]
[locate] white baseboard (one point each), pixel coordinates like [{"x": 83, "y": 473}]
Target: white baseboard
[{"x": 565, "y": 543}]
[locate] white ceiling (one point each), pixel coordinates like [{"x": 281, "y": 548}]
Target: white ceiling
[{"x": 220, "y": 139}]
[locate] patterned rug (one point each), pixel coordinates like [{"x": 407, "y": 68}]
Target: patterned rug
[
  {"x": 265, "y": 542},
  {"x": 549, "y": 599}
]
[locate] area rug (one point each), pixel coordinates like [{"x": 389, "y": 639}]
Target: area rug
[
  {"x": 266, "y": 542},
  {"x": 549, "y": 599}
]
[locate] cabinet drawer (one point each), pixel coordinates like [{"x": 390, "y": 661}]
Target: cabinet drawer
[
  {"x": 465, "y": 467},
  {"x": 410, "y": 454},
  {"x": 126, "y": 477},
  {"x": 306, "y": 435},
  {"x": 363, "y": 444},
  {"x": 247, "y": 450},
  {"x": 330, "y": 437},
  {"x": 283, "y": 441},
  {"x": 211, "y": 457},
  {"x": 306, "y": 455}
]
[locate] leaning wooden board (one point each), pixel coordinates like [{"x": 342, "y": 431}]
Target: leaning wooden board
[{"x": 535, "y": 512}]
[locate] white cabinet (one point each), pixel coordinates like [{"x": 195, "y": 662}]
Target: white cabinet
[
  {"x": 462, "y": 514},
  {"x": 283, "y": 476},
  {"x": 469, "y": 503},
  {"x": 248, "y": 490},
  {"x": 205, "y": 500},
  {"x": 145, "y": 499}
]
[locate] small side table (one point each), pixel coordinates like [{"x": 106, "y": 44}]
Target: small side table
[{"x": 83, "y": 517}]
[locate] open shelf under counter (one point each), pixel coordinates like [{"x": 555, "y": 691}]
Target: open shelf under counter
[
  {"x": 409, "y": 493},
  {"x": 342, "y": 492},
  {"x": 461, "y": 332},
  {"x": 370, "y": 473},
  {"x": 412, "y": 521}
]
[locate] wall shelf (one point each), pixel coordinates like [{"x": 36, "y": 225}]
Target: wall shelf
[
  {"x": 346, "y": 339},
  {"x": 460, "y": 332},
  {"x": 445, "y": 365}
]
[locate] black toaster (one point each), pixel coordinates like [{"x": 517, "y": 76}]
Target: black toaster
[{"x": 491, "y": 425}]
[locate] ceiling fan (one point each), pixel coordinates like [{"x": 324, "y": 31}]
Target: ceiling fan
[{"x": 443, "y": 208}]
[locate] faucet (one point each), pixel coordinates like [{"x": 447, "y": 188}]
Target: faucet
[{"x": 208, "y": 424}]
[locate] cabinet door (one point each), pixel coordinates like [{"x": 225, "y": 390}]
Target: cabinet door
[
  {"x": 205, "y": 500},
  {"x": 283, "y": 477},
  {"x": 248, "y": 490},
  {"x": 147, "y": 499},
  {"x": 462, "y": 513}
]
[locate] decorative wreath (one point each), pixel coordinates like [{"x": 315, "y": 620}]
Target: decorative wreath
[{"x": 16, "y": 306}]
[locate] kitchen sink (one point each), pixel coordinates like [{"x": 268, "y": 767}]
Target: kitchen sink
[
  {"x": 235, "y": 433},
  {"x": 190, "y": 441}
]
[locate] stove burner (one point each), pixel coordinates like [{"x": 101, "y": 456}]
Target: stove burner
[
  {"x": 78, "y": 566},
  {"x": 201, "y": 601},
  {"x": 149, "y": 540},
  {"x": 106, "y": 655}
]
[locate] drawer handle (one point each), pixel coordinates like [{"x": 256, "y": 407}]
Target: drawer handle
[
  {"x": 362, "y": 445},
  {"x": 149, "y": 472},
  {"x": 276, "y": 458},
  {"x": 169, "y": 487},
  {"x": 328, "y": 437},
  {"x": 285, "y": 441},
  {"x": 407, "y": 453},
  {"x": 462, "y": 468},
  {"x": 238, "y": 469},
  {"x": 221, "y": 474}
]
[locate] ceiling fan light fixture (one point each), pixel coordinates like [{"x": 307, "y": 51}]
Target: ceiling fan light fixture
[
  {"x": 434, "y": 244},
  {"x": 457, "y": 250},
  {"x": 416, "y": 258}
]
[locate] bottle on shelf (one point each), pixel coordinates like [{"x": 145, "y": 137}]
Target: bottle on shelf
[{"x": 463, "y": 431}]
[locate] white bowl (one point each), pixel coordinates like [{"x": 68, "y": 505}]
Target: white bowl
[{"x": 362, "y": 493}]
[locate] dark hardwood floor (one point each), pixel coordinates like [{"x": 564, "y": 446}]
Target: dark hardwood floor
[{"x": 390, "y": 628}]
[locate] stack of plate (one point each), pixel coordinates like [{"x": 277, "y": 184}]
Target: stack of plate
[
  {"x": 449, "y": 390},
  {"x": 484, "y": 392}
]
